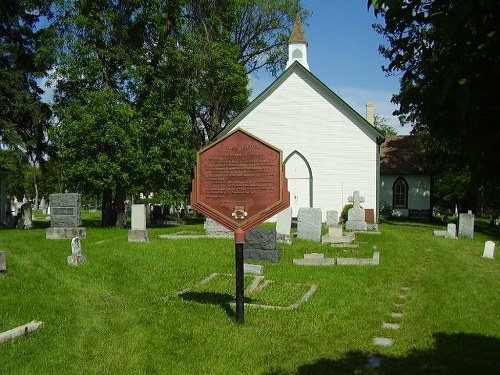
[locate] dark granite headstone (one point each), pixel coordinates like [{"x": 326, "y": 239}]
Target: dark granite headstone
[{"x": 260, "y": 244}]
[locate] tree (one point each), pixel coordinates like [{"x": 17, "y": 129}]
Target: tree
[
  {"x": 447, "y": 54},
  {"x": 381, "y": 123},
  {"x": 144, "y": 84},
  {"x": 25, "y": 56}
]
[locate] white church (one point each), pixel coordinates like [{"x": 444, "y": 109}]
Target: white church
[{"x": 329, "y": 149}]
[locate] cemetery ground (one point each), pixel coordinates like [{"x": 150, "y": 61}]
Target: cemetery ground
[{"x": 120, "y": 312}]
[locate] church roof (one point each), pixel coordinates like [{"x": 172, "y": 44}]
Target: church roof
[
  {"x": 298, "y": 68},
  {"x": 402, "y": 155},
  {"x": 297, "y": 35}
]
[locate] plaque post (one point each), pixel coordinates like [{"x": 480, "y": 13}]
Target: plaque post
[{"x": 239, "y": 240}]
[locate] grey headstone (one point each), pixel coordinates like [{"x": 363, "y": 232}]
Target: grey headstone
[
  {"x": 214, "y": 229},
  {"x": 25, "y": 220},
  {"x": 260, "y": 244},
  {"x": 332, "y": 218},
  {"x": 489, "y": 250},
  {"x": 65, "y": 210},
  {"x": 466, "y": 225},
  {"x": 309, "y": 224},
  {"x": 76, "y": 256},
  {"x": 3, "y": 261}
]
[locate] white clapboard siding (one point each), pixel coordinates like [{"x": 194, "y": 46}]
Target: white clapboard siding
[{"x": 299, "y": 114}]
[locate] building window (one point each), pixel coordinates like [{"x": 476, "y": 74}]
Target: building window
[{"x": 400, "y": 193}]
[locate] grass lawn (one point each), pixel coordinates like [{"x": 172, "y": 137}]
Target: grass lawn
[{"x": 120, "y": 312}]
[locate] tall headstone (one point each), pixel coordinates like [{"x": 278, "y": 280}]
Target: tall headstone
[
  {"x": 489, "y": 250},
  {"x": 65, "y": 219},
  {"x": 260, "y": 244},
  {"x": 76, "y": 256},
  {"x": 43, "y": 206},
  {"x": 466, "y": 225},
  {"x": 138, "y": 233},
  {"x": 284, "y": 226},
  {"x": 356, "y": 215},
  {"x": 309, "y": 224}
]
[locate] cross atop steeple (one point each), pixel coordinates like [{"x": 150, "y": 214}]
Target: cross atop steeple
[{"x": 297, "y": 45}]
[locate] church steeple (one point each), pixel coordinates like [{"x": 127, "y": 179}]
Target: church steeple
[{"x": 297, "y": 45}]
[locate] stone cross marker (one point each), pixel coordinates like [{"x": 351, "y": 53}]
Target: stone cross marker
[
  {"x": 356, "y": 199},
  {"x": 356, "y": 215},
  {"x": 76, "y": 256}
]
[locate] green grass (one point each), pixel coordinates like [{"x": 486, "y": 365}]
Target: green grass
[{"x": 120, "y": 312}]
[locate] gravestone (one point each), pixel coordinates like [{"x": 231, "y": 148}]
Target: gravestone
[
  {"x": 43, "y": 206},
  {"x": 3, "y": 261},
  {"x": 260, "y": 244},
  {"x": 466, "y": 225},
  {"x": 25, "y": 218},
  {"x": 76, "y": 258},
  {"x": 138, "y": 233},
  {"x": 309, "y": 224},
  {"x": 284, "y": 226},
  {"x": 356, "y": 215},
  {"x": 489, "y": 250},
  {"x": 332, "y": 218},
  {"x": 214, "y": 229},
  {"x": 451, "y": 231},
  {"x": 65, "y": 219}
]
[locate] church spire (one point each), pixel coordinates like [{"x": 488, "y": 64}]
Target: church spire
[{"x": 297, "y": 45}]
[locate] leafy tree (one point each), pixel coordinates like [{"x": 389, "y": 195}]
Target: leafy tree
[
  {"x": 447, "y": 54},
  {"x": 381, "y": 123},
  {"x": 141, "y": 85},
  {"x": 25, "y": 56}
]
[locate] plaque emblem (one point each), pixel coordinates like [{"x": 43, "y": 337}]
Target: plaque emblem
[{"x": 239, "y": 213}]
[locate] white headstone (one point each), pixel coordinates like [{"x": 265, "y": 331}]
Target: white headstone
[
  {"x": 214, "y": 229},
  {"x": 138, "y": 220},
  {"x": 284, "y": 221},
  {"x": 76, "y": 256},
  {"x": 332, "y": 218},
  {"x": 309, "y": 224},
  {"x": 489, "y": 250},
  {"x": 451, "y": 231}
]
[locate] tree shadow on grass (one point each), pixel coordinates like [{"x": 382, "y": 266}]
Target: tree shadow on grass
[
  {"x": 459, "y": 353},
  {"x": 212, "y": 298}
]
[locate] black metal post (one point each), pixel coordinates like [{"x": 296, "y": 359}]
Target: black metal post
[{"x": 240, "y": 304}]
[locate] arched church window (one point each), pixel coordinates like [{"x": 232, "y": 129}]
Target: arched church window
[
  {"x": 400, "y": 193},
  {"x": 297, "y": 54}
]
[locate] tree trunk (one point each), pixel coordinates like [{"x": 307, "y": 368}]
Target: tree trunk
[
  {"x": 111, "y": 206},
  {"x": 108, "y": 216}
]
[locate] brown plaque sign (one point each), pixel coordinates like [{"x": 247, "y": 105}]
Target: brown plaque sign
[{"x": 240, "y": 181}]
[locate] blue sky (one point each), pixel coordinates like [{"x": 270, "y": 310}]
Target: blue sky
[{"x": 343, "y": 54}]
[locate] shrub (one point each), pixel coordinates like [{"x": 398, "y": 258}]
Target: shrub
[
  {"x": 386, "y": 211},
  {"x": 343, "y": 214}
]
